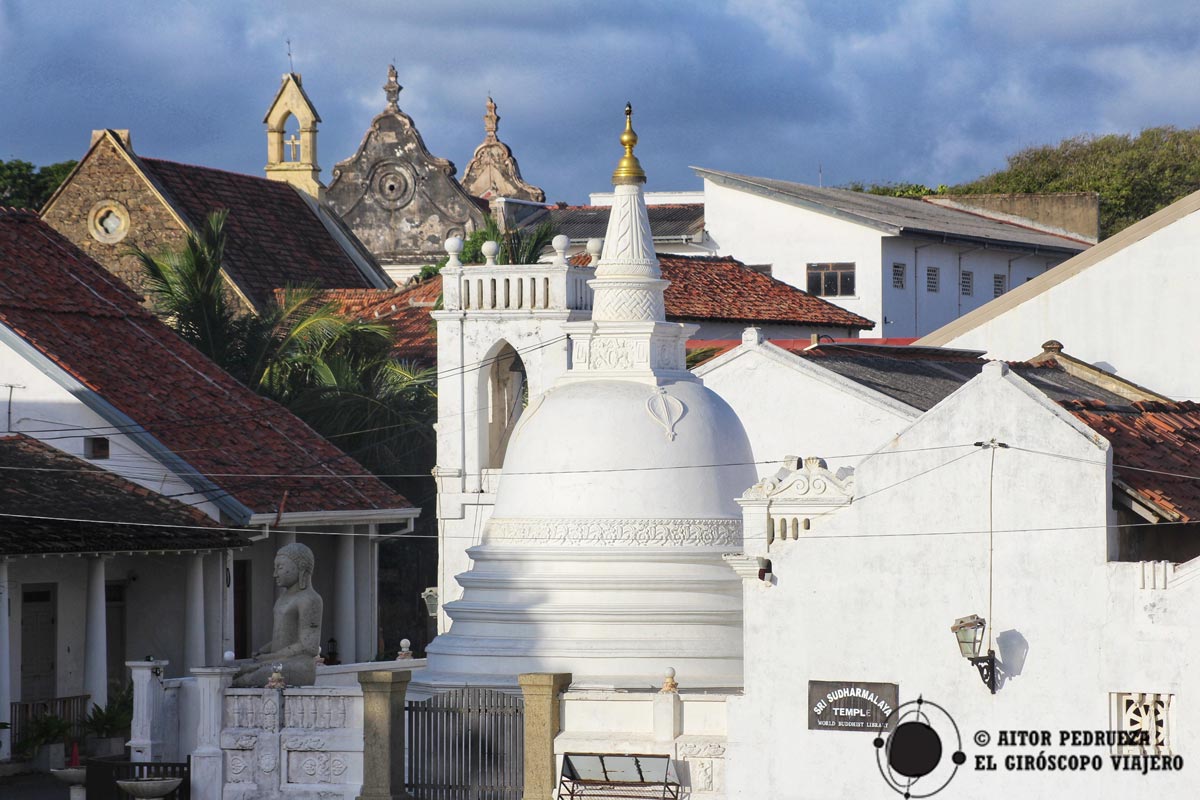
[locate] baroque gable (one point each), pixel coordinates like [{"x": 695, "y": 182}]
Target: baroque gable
[
  {"x": 400, "y": 200},
  {"x": 493, "y": 170}
]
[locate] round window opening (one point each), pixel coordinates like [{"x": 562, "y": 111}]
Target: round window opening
[{"x": 108, "y": 222}]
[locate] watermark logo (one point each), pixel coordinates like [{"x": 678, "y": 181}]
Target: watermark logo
[{"x": 912, "y": 750}]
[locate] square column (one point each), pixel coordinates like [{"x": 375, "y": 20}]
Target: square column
[
  {"x": 383, "y": 735},
  {"x": 208, "y": 762},
  {"x": 543, "y": 721}
]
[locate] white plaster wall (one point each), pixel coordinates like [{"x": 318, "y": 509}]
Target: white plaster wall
[
  {"x": 915, "y": 311},
  {"x": 467, "y": 341},
  {"x": 789, "y": 405},
  {"x": 756, "y": 230},
  {"x": 861, "y": 597},
  {"x": 44, "y": 410},
  {"x": 1130, "y": 313},
  {"x": 733, "y": 330}
]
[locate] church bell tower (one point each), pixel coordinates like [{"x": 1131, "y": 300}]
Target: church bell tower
[{"x": 292, "y": 157}]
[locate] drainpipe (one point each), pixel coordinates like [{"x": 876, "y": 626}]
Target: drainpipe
[{"x": 1009, "y": 287}]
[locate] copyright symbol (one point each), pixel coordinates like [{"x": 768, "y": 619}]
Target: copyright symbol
[{"x": 982, "y": 738}]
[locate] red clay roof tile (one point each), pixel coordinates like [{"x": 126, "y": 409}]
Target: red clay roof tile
[
  {"x": 723, "y": 288},
  {"x": 85, "y": 320},
  {"x": 274, "y": 237}
]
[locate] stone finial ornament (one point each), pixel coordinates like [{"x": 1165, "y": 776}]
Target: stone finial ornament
[
  {"x": 491, "y": 121},
  {"x": 669, "y": 684},
  {"x": 405, "y": 650},
  {"x": 392, "y": 89},
  {"x": 295, "y": 630},
  {"x": 561, "y": 244}
]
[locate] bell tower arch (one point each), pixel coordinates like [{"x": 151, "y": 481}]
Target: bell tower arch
[{"x": 292, "y": 157}]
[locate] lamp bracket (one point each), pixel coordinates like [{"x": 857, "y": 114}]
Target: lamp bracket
[{"x": 987, "y": 669}]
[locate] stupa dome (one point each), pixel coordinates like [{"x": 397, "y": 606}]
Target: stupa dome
[{"x": 615, "y": 449}]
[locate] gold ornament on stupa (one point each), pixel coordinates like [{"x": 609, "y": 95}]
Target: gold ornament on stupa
[{"x": 628, "y": 170}]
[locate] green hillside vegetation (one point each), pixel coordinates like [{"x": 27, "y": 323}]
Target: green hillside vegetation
[{"x": 1134, "y": 175}]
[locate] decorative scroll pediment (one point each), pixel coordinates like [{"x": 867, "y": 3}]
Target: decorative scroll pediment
[
  {"x": 399, "y": 199},
  {"x": 811, "y": 482}
]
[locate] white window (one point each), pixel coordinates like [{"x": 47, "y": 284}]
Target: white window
[
  {"x": 898, "y": 271},
  {"x": 95, "y": 447},
  {"x": 966, "y": 283},
  {"x": 1147, "y": 714},
  {"x": 932, "y": 279},
  {"x": 999, "y": 285}
]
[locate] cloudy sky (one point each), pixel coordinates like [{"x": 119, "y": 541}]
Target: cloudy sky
[{"x": 934, "y": 91}]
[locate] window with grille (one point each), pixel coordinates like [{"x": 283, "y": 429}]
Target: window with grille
[
  {"x": 831, "y": 279},
  {"x": 1146, "y": 713},
  {"x": 932, "y": 279},
  {"x": 966, "y": 283},
  {"x": 898, "y": 271},
  {"x": 999, "y": 285}
]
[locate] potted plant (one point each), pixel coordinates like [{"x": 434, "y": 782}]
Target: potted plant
[
  {"x": 45, "y": 740},
  {"x": 108, "y": 727}
]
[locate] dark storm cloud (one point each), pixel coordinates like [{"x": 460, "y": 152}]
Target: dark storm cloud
[{"x": 937, "y": 91}]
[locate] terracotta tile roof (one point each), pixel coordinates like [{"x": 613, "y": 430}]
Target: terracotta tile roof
[
  {"x": 723, "y": 288},
  {"x": 1149, "y": 435},
  {"x": 579, "y": 223},
  {"x": 88, "y": 323},
  {"x": 274, "y": 236},
  {"x": 37, "y": 480},
  {"x": 406, "y": 311}
]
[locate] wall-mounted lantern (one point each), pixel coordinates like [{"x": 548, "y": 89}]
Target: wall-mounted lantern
[
  {"x": 430, "y": 596},
  {"x": 968, "y": 631}
]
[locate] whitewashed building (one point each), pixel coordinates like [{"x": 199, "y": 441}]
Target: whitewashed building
[
  {"x": 911, "y": 266},
  {"x": 87, "y": 371},
  {"x": 1128, "y": 305}
]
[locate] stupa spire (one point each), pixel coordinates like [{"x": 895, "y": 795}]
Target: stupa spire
[{"x": 628, "y": 285}]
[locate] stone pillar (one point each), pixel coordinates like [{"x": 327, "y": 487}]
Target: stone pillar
[
  {"x": 193, "y": 625},
  {"x": 145, "y": 732},
  {"x": 95, "y": 649},
  {"x": 542, "y": 723},
  {"x": 5, "y": 663},
  {"x": 208, "y": 763},
  {"x": 383, "y": 734},
  {"x": 344, "y": 629}
]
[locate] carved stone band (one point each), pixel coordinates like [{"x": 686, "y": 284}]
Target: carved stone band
[{"x": 617, "y": 532}]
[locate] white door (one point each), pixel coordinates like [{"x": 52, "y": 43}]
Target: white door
[{"x": 37, "y": 643}]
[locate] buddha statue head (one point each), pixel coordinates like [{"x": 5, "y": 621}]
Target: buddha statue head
[{"x": 294, "y": 565}]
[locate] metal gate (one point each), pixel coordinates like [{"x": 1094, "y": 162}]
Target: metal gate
[{"x": 467, "y": 744}]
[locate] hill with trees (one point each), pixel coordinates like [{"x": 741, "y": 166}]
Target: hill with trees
[{"x": 1135, "y": 175}]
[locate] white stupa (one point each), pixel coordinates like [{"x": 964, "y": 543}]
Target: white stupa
[{"x": 615, "y": 504}]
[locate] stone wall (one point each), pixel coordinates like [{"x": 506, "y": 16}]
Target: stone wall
[{"x": 106, "y": 180}]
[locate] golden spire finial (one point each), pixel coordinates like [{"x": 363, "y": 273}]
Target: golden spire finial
[{"x": 628, "y": 170}]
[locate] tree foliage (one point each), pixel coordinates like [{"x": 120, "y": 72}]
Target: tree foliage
[
  {"x": 335, "y": 372},
  {"x": 22, "y": 185},
  {"x": 517, "y": 246},
  {"x": 1134, "y": 175}
]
